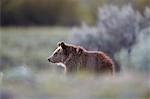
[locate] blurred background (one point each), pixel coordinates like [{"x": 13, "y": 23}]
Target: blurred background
[{"x": 30, "y": 30}]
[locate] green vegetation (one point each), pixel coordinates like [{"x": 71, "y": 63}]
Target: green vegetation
[
  {"x": 120, "y": 30},
  {"x": 29, "y": 46},
  {"x": 38, "y": 12},
  {"x": 56, "y": 12},
  {"x": 50, "y": 85},
  {"x": 27, "y": 73}
]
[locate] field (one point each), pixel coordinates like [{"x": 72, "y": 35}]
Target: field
[
  {"x": 29, "y": 46},
  {"x": 26, "y": 74}
]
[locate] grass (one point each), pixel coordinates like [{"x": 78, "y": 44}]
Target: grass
[
  {"x": 29, "y": 48},
  {"x": 54, "y": 86}
]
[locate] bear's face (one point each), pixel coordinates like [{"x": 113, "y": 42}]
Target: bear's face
[
  {"x": 58, "y": 55},
  {"x": 62, "y": 52}
]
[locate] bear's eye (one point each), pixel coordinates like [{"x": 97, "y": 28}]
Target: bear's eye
[{"x": 55, "y": 54}]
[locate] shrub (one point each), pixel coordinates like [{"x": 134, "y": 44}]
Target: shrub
[
  {"x": 139, "y": 58},
  {"x": 38, "y": 12},
  {"x": 116, "y": 29}
]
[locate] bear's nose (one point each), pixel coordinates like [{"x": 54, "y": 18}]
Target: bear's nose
[{"x": 49, "y": 59}]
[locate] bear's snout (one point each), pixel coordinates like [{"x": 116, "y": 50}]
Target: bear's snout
[{"x": 49, "y": 60}]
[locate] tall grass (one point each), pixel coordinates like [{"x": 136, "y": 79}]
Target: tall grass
[{"x": 50, "y": 85}]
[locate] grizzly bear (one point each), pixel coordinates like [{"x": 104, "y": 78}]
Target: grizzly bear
[{"x": 74, "y": 58}]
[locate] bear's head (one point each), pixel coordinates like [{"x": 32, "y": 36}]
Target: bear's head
[{"x": 63, "y": 52}]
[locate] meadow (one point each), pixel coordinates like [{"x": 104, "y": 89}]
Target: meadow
[
  {"x": 31, "y": 29},
  {"x": 29, "y": 46},
  {"x": 25, "y": 72}
]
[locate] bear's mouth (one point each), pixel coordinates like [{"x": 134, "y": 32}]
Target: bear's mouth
[{"x": 51, "y": 61}]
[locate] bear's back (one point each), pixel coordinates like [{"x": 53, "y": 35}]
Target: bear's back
[{"x": 97, "y": 61}]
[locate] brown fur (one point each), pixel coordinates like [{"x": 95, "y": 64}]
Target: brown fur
[{"x": 77, "y": 58}]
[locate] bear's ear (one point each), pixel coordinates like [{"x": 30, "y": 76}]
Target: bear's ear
[
  {"x": 62, "y": 44},
  {"x": 79, "y": 51},
  {"x": 58, "y": 43}
]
